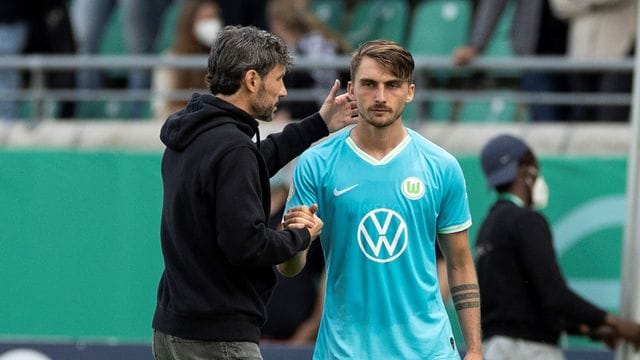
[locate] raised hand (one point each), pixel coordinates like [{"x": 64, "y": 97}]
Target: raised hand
[
  {"x": 338, "y": 111},
  {"x": 464, "y": 55}
]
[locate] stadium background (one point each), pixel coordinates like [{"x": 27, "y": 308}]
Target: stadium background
[
  {"x": 80, "y": 201},
  {"x": 79, "y": 239}
]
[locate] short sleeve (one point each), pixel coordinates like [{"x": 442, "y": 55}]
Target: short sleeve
[
  {"x": 454, "y": 213},
  {"x": 303, "y": 184}
]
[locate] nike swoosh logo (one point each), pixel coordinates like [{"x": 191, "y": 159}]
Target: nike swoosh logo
[{"x": 337, "y": 192}]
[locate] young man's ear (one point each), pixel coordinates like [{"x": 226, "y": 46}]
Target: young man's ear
[
  {"x": 350, "y": 87},
  {"x": 251, "y": 80},
  {"x": 412, "y": 91}
]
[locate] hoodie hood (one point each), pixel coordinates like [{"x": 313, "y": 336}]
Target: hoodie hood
[{"x": 202, "y": 113}]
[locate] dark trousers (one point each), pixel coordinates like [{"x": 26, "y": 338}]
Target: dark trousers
[
  {"x": 602, "y": 83},
  {"x": 168, "y": 347},
  {"x": 546, "y": 82}
]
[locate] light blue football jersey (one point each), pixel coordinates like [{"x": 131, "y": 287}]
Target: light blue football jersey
[{"x": 381, "y": 218}]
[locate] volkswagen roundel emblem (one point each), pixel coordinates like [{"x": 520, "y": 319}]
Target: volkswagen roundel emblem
[{"x": 382, "y": 235}]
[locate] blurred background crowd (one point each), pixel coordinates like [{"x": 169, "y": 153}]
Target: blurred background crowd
[{"x": 322, "y": 31}]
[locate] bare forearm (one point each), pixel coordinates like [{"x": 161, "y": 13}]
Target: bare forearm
[
  {"x": 465, "y": 292},
  {"x": 465, "y": 295},
  {"x": 294, "y": 265}
]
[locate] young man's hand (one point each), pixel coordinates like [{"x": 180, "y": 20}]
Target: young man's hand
[{"x": 301, "y": 217}]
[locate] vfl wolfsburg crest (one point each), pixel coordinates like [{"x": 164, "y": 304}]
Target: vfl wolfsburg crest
[{"x": 412, "y": 188}]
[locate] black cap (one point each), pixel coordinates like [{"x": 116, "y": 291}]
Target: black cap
[{"x": 500, "y": 158}]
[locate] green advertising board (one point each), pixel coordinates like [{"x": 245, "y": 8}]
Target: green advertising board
[{"x": 81, "y": 255}]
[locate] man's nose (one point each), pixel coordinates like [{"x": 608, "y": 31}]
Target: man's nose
[{"x": 380, "y": 94}]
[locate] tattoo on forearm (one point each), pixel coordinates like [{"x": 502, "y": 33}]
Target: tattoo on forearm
[
  {"x": 472, "y": 304},
  {"x": 464, "y": 287},
  {"x": 471, "y": 295},
  {"x": 466, "y": 296}
]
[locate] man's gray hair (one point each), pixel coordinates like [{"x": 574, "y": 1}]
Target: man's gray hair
[{"x": 238, "y": 49}]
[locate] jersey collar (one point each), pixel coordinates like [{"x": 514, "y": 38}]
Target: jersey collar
[
  {"x": 510, "y": 197},
  {"x": 386, "y": 159}
]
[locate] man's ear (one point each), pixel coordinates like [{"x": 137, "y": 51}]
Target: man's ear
[
  {"x": 412, "y": 90},
  {"x": 525, "y": 175},
  {"x": 350, "y": 87},
  {"x": 251, "y": 80}
]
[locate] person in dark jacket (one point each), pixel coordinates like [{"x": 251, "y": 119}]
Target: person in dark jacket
[
  {"x": 526, "y": 303},
  {"x": 34, "y": 27},
  {"x": 219, "y": 254}
]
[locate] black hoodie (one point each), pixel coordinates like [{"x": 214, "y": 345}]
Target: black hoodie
[{"x": 219, "y": 254}]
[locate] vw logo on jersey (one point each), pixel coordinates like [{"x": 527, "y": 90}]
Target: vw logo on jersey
[
  {"x": 382, "y": 235},
  {"x": 412, "y": 188}
]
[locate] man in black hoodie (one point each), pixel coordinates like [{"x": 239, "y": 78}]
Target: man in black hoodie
[{"x": 219, "y": 253}]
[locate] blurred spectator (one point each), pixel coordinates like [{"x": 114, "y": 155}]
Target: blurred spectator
[
  {"x": 141, "y": 24},
  {"x": 244, "y": 12},
  {"x": 295, "y": 308},
  {"x": 526, "y": 302},
  {"x": 198, "y": 25},
  {"x": 34, "y": 26},
  {"x": 307, "y": 37},
  {"x": 50, "y": 32},
  {"x": 14, "y": 30},
  {"x": 534, "y": 31},
  {"x": 600, "y": 29}
]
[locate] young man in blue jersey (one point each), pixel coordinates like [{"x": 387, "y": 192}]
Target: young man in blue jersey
[{"x": 385, "y": 195}]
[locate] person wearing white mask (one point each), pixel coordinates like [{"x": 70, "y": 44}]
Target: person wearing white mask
[
  {"x": 198, "y": 25},
  {"x": 207, "y": 23},
  {"x": 526, "y": 303}
]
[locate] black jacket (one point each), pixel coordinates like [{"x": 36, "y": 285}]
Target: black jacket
[
  {"x": 218, "y": 251},
  {"x": 524, "y": 294}
]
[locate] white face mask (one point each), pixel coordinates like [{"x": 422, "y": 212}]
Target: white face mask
[
  {"x": 206, "y": 30},
  {"x": 539, "y": 193}
]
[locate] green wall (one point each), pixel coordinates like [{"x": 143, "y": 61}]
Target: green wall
[{"x": 80, "y": 249}]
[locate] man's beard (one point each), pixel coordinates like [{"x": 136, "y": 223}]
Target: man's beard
[
  {"x": 379, "y": 123},
  {"x": 262, "y": 110}
]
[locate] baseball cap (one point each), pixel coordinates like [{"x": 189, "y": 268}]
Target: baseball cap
[{"x": 500, "y": 158}]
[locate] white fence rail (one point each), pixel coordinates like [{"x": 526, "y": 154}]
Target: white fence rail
[{"x": 38, "y": 66}]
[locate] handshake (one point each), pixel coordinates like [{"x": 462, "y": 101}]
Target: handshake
[
  {"x": 300, "y": 217},
  {"x": 613, "y": 330}
]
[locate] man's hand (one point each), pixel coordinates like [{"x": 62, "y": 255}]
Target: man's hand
[
  {"x": 338, "y": 111},
  {"x": 473, "y": 356},
  {"x": 626, "y": 329},
  {"x": 301, "y": 217},
  {"x": 464, "y": 55},
  {"x": 605, "y": 333}
]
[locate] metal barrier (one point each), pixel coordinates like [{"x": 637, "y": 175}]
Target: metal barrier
[{"x": 39, "y": 65}]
